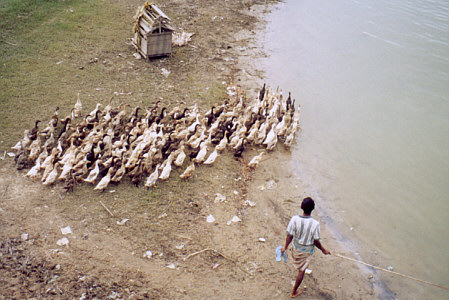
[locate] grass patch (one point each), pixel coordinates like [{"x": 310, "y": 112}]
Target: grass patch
[
  {"x": 216, "y": 91},
  {"x": 54, "y": 41},
  {"x": 18, "y": 15},
  {"x": 70, "y": 47}
]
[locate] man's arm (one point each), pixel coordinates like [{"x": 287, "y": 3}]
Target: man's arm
[
  {"x": 288, "y": 240},
  {"x": 317, "y": 243}
]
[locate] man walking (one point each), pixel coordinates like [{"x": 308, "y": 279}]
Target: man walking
[{"x": 304, "y": 231}]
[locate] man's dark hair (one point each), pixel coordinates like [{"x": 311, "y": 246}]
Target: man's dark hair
[{"x": 307, "y": 205}]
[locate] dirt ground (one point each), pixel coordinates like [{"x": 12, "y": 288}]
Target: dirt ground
[{"x": 191, "y": 258}]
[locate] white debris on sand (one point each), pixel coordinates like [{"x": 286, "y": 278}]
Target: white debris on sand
[
  {"x": 210, "y": 219},
  {"x": 231, "y": 91},
  {"x": 171, "y": 266},
  {"x": 114, "y": 295},
  {"x": 122, "y": 222},
  {"x": 165, "y": 72},
  {"x": 66, "y": 230},
  {"x": 148, "y": 254},
  {"x": 63, "y": 242},
  {"x": 249, "y": 203},
  {"x": 234, "y": 219},
  {"x": 219, "y": 198},
  {"x": 181, "y": 38}
]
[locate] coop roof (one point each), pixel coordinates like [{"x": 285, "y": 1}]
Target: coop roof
[{"x": 150, "y": 19}]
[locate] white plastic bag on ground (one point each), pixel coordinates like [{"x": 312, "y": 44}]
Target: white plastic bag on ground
[
  {"x": 181, "y": 38},
  {"x": 66, "y": 230},
  {"x": 63, "y": 242},
  {"x": 210, "y": 219}
]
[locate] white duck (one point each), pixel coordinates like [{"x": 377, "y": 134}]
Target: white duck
[
  {"x": 281, "y": 127},
  {"x": 104, "y": 181},
  {"x": 17, "y": 146},
  {"x": 69, "y": 155},
  {"x": 93, "y": 174},
  {"x": 51, "y": 178},
  {"x": 193, "y": 125},
  {"x": 43, "y": 155},
  {"x": 78, "y": 108},
  {"x": 167, "y": 168},
  {"x": 59, "y": 147},
  {"x": 49, "y": 141},
  {"x": 297, "y": 114},
  {"x": 26, "y": 139},
  {"x": 92, "y": 114},
  {"x": 222, "y": 145},
  {"x": 80, "y": 168},
  {"x": 34, "y": 171},
  {"x": 196, "y": 140},
  {"x": 253, "y": 131},
  {"x": 47, "y": 165},
  {"x": 119, "y": 174},
  {"x": 188, "y": 171},
  {"x": 255, "y": 160},
  {"x": 212, "y": 157},
  {"x": 271, "y": 139},
  {"x": 195, "y": 136},
  {"x": 239, "y": 144},
  {"x": 181, "y": 132},
  {"x": 180, "y": 157},
  {"x": 201, "y": 156},
  {"x": 289, "y": 139},
  {"x": 35, "y": 149},
  {"x": 213, "y": 128},
  {"x": 234, "y": 140},
  {"x": 261, "y": 134},
  {"x": 65, "y": 171},
  {"x": 151, "y": 180},
  {"x": 165, "y": 162}
]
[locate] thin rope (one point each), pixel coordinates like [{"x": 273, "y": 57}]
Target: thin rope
[{"x": 388, "y": 271}]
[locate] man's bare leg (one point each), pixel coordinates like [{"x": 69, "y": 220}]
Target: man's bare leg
[{"x": 296, "y": 292}]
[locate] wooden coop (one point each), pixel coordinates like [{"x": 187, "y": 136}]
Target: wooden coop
[{"x": 152, "y": 32}]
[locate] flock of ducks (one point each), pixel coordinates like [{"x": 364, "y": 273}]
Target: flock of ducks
[{"x": 108, "y": 144}]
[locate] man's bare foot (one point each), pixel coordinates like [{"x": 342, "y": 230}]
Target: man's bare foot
[{"x": 298, "y": 292}]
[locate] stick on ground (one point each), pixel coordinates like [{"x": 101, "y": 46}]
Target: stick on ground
[
  {"x": 8, "y": 43},
  {"x": 219, "y": 253},
  {"x": 112, "y": 215}
]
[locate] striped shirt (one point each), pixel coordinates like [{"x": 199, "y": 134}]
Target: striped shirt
[{"x": 304, "y": 231}]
